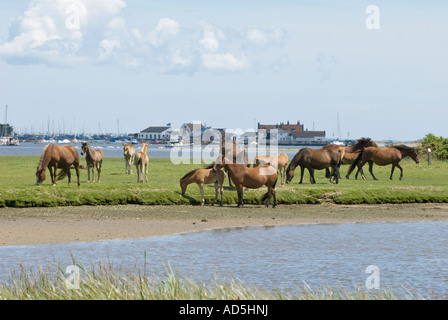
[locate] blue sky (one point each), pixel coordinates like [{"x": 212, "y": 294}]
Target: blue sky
[{"x": 132, "y": 64}]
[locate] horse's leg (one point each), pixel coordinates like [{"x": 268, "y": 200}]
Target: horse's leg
[
  {"x": 100, "y": 164},
  {"x": 275, "y": 198},
  {"x": 392, "y": 171},
  {"x": 239, "y": 190},
  {"x": 146, "y": 173},
  {"x": 371, "y": 170},
  {"x": 328, "y": 174},
  {"x": 201, "y": 187},
  {"x": 51, "y": 174},
  {"x": 216, "y": 192},
  {"x": 311, "y": 171},
  {"x": 55, "y": 176},
  {"x": 401, "y": 171},
  {"x": 283, "y": 176},
  {"x": 77, "y": 172},
  {"x": 69, "y": 175},
  {"x": 93, "y": 170},
  {"x": 302, "y": 170}
]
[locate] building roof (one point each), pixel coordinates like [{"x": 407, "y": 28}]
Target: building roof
[
  {"x": 285, "y": 127},
  {"x": 155, "y": 129},
  {"x": 308, "y": 134}
]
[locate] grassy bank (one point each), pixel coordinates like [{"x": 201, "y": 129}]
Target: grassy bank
[
  {"x": 421, "y": 184},
  {"x": 105, "y": 282}
]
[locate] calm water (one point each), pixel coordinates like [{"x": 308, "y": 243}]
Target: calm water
[
  {"x": 411, "y": 254},
  {"x": 115, "y": 150}
]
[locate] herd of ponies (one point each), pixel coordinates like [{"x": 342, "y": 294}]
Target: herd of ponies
[{"x": 234, "y": 161}]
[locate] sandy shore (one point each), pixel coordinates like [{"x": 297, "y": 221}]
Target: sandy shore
[{"x": 70, "y": 224}]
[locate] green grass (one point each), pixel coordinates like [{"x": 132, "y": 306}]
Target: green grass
[
  {"x": 421, "y": 183},
  {"x": 104, "y": 282}
]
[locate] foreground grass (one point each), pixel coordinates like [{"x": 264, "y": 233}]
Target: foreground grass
[
  {"x": 421, "y": 184},
  {"x": 107, "y": 283}
]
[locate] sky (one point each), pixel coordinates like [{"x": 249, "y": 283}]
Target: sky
[{"x": 120, "y": 66}]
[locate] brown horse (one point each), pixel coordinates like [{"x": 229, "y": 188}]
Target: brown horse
[
  {"x": 279, "y": 161},
  {"x": 383, "y": 157},
  {"x": 201, "y": 177},
  {"x": 234, "y": 154},
  {"x": 128, "y": 153},
  {"x": 352, "y": 152},
  {"x": 252, "y": 178},
  {"x": 141, "y": 163},
  {"x": 319, "y": 159},
  {"x": 94, "y": 159},
  {"x": 54, "y": 157}
]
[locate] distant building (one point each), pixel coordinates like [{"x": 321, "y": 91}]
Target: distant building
[
  {"x": 161, "y": 133},
  {"x": 6, "y": 130},
  {"x": 292, "y": 132}
]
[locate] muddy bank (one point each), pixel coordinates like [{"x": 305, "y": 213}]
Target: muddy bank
[{"x": 21, "y": 226}]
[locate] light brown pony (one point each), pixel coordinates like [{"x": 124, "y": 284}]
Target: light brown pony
[
  {"x": 252, "y": 178},
  {"x": 352, "y": 152},
  {"x": 57, "y": 157},
  {"x": 384, "y": 157},
  {"x": 319, "y": 159},
  {"x": 141, "y": 160},
  {"x": 201, "y": 177},
  {"x": 94, "y": 160},
  {"x": 279, "y": 161},
  {"x": 128, "y": 153}
]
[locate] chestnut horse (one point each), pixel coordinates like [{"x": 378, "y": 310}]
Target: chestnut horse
[
  {"x": 141, "y": 160},
  {"x": 128, "y": 153},
  {"x": 352, "y": 152},
  {"x": 54, "y": 157},
  {"x": 201, "y": 177},
  {"x": 94, "y": 159},
  {"x": 234, "y": 154},
  {"x": 383, "y": 157},
  {"x": 252, "y": 178},
  {"x": 279, "y": 161},
  {"x": 319, "y": 159}
]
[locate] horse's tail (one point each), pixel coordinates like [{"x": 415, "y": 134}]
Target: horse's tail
[
  {"x": 63, "y": 173},
  {"x": 355, "y": 163}
]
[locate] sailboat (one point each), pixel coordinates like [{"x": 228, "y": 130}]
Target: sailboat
[{"x": 6, "y": 140}]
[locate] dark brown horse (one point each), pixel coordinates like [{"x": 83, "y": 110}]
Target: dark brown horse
[
  {"x": 352, "y": 152},
  {"x": 94, "y": 159},
  {"x": 252, "y": 178},
  {"x": 319, "y": 159},
  {"x": 384, "y": 157},
  {"x": 57, "y": 157}
]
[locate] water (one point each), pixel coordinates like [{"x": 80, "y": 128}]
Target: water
[
  {"x": 411, "y": 254},
  {"x": 115, "y": 150}
]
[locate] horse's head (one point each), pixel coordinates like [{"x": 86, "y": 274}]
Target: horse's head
[
  {"x": 414, "y": 156},
  {"x": 183, "y": 185},
  {"x": 219, "y": 163},
  {"x": 84, "y": 148},
  {"x": 289, "y": 174},
  {"x": 40, "y": 175}
]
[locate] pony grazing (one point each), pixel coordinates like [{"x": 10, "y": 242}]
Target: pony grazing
[
  {"x": 128, "y": 153},
  {"x": 279, "y": 161},
  {"x": 94, "y": 159},
  {"x": 312, "y": 159},
  {"x": 383, "y": 157},
  {"x": 56, "y": 157},
  {"x": 201, "y": 177},
  {"x": 141, "y": 160},
  {"x": 252, "y": 178}
]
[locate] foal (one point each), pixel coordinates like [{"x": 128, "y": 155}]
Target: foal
[
  {"x": 94, "y": 159},
  {"x": 141, "y": 163}
]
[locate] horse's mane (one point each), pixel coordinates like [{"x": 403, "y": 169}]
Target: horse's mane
[
  {"x": 42, "y": 155},
  {"x": 188, "y": 174},
  {"x": 363, "y": 139},
  {"x": 403, "y": 147}
]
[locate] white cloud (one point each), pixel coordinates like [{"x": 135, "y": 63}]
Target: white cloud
[
  {"x": 224, "y": 62},
  {"x": 66, "y": 33}
]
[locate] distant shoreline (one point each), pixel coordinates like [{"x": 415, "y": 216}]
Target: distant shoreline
[{"x": 29, "y": 226}]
